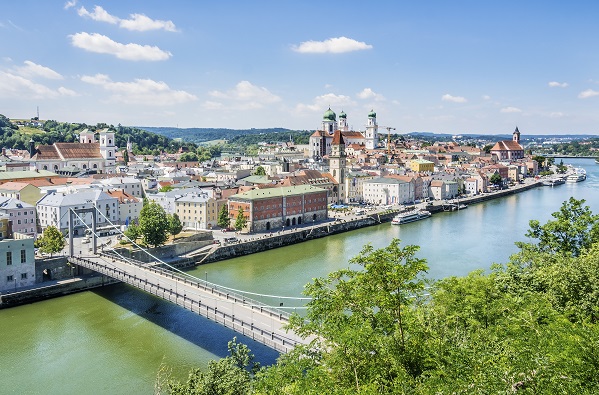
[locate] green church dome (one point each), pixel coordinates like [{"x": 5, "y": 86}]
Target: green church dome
[
  {"x": 372, "y": 114},
  {"x": 329, "y": 115},
  {"x": 342, "y": 115}
]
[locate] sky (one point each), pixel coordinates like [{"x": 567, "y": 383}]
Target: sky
[{"x": 440, "y": 66}]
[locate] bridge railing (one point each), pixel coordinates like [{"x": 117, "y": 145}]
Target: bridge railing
[
  {"x": 269, "y": 338},
  {"x": 207, "y": 286}
]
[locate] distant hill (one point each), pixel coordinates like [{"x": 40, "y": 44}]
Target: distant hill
[{"x": 235, "y": 136}]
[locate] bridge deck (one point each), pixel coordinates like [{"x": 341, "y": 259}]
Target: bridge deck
[{"x": 250, "y": 318}]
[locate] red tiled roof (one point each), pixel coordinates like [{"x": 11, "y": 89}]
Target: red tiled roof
[
  {"x": 507, "y": 145},
  {"x": 337, "y": 138}
]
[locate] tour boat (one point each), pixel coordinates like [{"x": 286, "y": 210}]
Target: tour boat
[
  {"x": 577, "y": 176},
  {"x": 410, "y": 216},
  {"x": 553, "y": 182}
]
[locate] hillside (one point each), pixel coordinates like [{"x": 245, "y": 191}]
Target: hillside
[
  {"x": 234, "y": 136},
  {"x": 144, "y": 142}
]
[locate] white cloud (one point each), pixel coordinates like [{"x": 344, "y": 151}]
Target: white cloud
[
  {"x": 486, "y": 97},
  {"x": 556, "y": 114},
  {"x": 247, "y": 96},
  {"x": 321, "y": 103},
  {"x": 508, "y": 110},
  {"x": 332, "y": 45},
  {"x": 99, "y": 14},
  {"x": 588, "y": 93},
  {"x": 453, "y": 99},
  {"x": 18, "y": 87},
  {"x": 141, "y": 23},
  {"x": 137, "y": 22},
  {"x": 140, "y": 91},
  {"x": 70, "y": 4},
  {"x": 99, "y": 43},
  {"x": 555, "y": 84},
  {"x": 35, "y": 70},
  {"x": 368, "y": 93}
]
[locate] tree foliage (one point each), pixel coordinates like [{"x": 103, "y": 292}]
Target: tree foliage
[
  {"x": 240, "y": 220},
  {"x": 260, "y": 171},
  {"x": 153, "y": 224},
  {"x": 223, "y": 217},
  {"x": 52, "y": 241},
  {"x": 174, "y": 224}
]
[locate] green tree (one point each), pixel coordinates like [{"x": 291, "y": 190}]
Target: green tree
[
  {"x": 496, "y": 179},
  {"x": 52, "y": 241},
  {"x": 153, "y": 224},
  {"x": 363, "y": 321},
  {"x": 231, "y": 375},
  {"x": 223, "y": 217},
  {"x": 574, "y": 229},
  {"x": 260, "y": 171},
  {"x": 174, "y": 225},
  {"x": 541, "y": 160},
  {"x": 166, "y": 188},
  {"x": 487, "y": 148},
  {"x": 240, "y": 220},
  {"x": 133, "y": 232}
]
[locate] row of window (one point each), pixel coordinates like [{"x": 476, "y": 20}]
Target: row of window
[
  {"x": 11, "y": 278},
  {"x": 24, "y": 213},
  {"x": 9, "y": 257}
]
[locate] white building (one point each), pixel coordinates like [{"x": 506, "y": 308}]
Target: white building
[
  {"x": 17, "y": 262},
  {"x": 130, "y": 185},
  {"x": 85, "y": 155},
  {"x": 53, "y": 210},
  {"x": 386, "y": 190},
  {"x": 21, "y": 214},
  {"x": 196, "y": 211}
]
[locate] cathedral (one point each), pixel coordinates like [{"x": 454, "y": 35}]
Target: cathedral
[{"x": 321, "y": 140}]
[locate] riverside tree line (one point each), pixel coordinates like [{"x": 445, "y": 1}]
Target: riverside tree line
[{"x": 527, "y": 327}]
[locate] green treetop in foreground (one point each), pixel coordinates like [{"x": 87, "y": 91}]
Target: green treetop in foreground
[{"x": 528, "y": 327}]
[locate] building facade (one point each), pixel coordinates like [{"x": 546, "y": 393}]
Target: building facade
[{"x": 275, "y": 208}]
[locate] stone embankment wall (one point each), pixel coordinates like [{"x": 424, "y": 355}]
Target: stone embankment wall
[{"x": 282, "y": 239}]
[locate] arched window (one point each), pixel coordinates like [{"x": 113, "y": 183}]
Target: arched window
[
  {"x": 110, "y": 154},
  {"x": 109, "y": 142},
  {"x": 95, "y": 166},
  {"x": 55, "y": 167},
  {"x": 85, "y": 166},
  {"x": 45, "y": 167}
]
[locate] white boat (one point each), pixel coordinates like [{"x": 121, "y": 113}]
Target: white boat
[
  {"x": 578, "y": 175},
  {"x": 553, "y": 182},
  {"x": 410, "y": 216}
]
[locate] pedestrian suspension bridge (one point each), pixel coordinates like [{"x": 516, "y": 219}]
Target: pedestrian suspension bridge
[{"x": 232, "y": 308}]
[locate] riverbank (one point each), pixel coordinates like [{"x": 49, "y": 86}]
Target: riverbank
[{"x": 246, "y": 244}]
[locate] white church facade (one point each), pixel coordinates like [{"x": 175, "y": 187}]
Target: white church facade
[{"x": 86, "y": 155}]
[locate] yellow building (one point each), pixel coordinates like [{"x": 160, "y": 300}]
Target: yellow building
[
  {"x": 196, "y": 211},
  {"x": 421, "y": 165}
]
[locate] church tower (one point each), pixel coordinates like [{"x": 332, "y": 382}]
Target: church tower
[
  {"x": 108, "y": 149},
  {"x": 337, "y": 164},
  {"x": 371, "y": 135},
  {"x": 329, "y": 121},
  {"x": 516, "y": 135},
  {"x": 343, "y": 122}
]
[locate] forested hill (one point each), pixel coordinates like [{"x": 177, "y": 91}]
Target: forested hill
[
  {"x": 144, "y": 142},
  {"x": 239, "y": 136}
]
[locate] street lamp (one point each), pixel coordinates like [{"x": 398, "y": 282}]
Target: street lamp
[{"x": 206, "y": 275}]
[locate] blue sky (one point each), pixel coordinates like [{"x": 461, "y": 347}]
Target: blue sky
[{"x": 441, "y": 66}]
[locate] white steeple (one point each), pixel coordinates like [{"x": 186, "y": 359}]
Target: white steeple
[{"x": 371, "y": 136}]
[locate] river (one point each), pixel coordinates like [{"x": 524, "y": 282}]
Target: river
[{"x": 113, "y": 340}]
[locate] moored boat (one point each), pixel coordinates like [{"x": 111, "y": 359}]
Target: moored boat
[
  {"x": 577, "y": 176},
  {"x": 410, "y": 216}
]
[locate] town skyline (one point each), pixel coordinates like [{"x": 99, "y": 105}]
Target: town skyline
[{"x": 460, "y": 68}]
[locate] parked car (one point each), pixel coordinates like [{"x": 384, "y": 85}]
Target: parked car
[{"x": 230, "y": 239}]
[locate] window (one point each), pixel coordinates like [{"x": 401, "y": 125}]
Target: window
[
  {"x": 9, "y": 257},
  {"x": 9, "y": 279},
  {"x": 23, "y": 256},
  {"x": 23, "y": 276}
]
